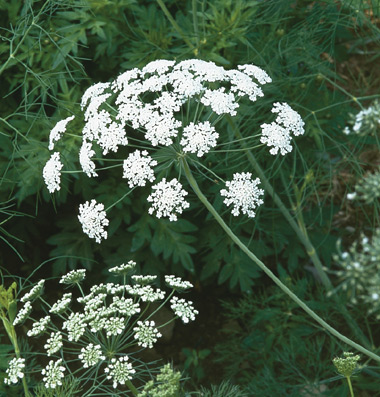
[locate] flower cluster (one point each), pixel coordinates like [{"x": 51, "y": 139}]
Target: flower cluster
[
  {"x": 15, "y": 370},
  {"x": 180, "y": 105},
  {"x": 93, "y": 220},
  {"x": 52, "y": 173},
  {"x": 366, "y": 122},
  {"x": 278, "y": 133},
  {"x": 243, "y": 194},
  {"x": 367, "y": 189},
  {"x": 168, "y": 199},
  {"x": 358, "y": 271},
  {"x": 347, "y": 364},
  {"x": 138, "y": 168},
  {"x": 109, "y": 315}
]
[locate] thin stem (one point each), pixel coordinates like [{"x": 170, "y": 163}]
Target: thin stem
[
  {"x": 350, "y": 386},
  {"x": 193, "y": 183},
  {"x": 132, "y": 388},
  {"x": 195, "y": 22},
  {"x": 301, "y": 233},
  {"x": 13, "y": 53}
]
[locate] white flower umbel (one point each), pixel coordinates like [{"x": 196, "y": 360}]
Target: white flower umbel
[
  {"x": 114, "y": 326},
  {"x": 289, "y": 118},
  {"x": 53, "y": 374},
  {"x": 39, "y": 326},
  {"x": 143, "y": 280},
  {"x": 91, "y": 355},
  {"x": 85, "y": 155},
  {"x": 35, "y": 292},
  {"x": 62, "y": 304},
  {"x": 278, "y": 133},
  {"x": 146, "y": 333},
  {"x": 52, "y": 173},
  {"x": 15, "y": 370},
  {"x": 183, "y": 309},
  {"x": 199, "y": 138},
  {"x": 57, "y": 132},
  {"x": 124, "y": 306},
  {"x": 259, "y": 74},
  {"x": 243, "y": 194},
  {"x": 138, "y": 168},
  {"x": 75, "y": 326},
  {"x": 168, "y": 199},
  {"x": 23, "y": 314},
  {"x": 220, "y": 102},
  {"x": 123, "y": 269},
  {"x": 54, "y": 343},
  {"x": 93, "y": 220},
  {"x": 73, "y": 277},
  {"x": 119, "y": 371},
  {"x": 177, "y": 283},
  {"x": 146, "y": 292}
]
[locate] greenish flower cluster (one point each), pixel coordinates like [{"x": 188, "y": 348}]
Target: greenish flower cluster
[
  {"x": 367, "y": 189},
  {"x": 166, "y": 385},
  {"x": 346, "y": 365},
  {"x": 358, "y": 271},
  {"x": 366, "y": 122}
]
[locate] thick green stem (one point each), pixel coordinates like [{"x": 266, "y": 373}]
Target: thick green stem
[
  {"x": 193, "y": 183},
  {"x": 134, "y": 391}
]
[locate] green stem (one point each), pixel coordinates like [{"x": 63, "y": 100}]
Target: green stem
[
  {"x": 193, "y": 183},
  {"x": 301, "y": 233},
  {"x": 174, "y": 23},
  {"x": 134, "y": 391},
  {"x": 350, "y": 386},
  {"x": 13, "y": 338}
]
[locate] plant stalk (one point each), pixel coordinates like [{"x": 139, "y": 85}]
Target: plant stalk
[
  {"x": 193, "y": 183},
  {"x": 300, "y": 229}
]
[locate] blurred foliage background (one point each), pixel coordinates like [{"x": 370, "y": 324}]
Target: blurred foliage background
[{"x": 323, "y": 58}]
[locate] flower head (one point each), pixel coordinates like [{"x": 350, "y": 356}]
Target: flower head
[
  {"x": 93, "y": 220},
  {"x": 35, "y": 292},
  {"x": 15, "y": 370},
  {"x": 52, "y": 173},
  {"x": 146, "y": 333},
  {"x": 243, "y": 194},
  {"x": 168, "y": 199},
  {"x": 54, "y": 343},
  {"x": 57, "y": 132},
  {"x": 62, "y": 304},
  {"x": 183, "y": 309},
  {"x": 53, "y": 374},
  {"x": 23, "y": 314},
  {"x": 199, "y": 138},
  {"x": 177, "y": 283},
  {"x": 39, "y": 326},
  {"x": 278, "y": 133},
  {"x": 91, "y": 355},
  {"x": 123, "y": 269},
  {"x": 138, "y": 168},
  {"x": 73, "y": 277},
  {"x": 119, "y": 370},
  {"x": 346, "y": 365}
]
